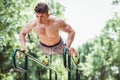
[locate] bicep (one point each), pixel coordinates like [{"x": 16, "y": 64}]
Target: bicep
[
  {"x": 26, "y": 29},
  {"x": 66, "y": 28}
]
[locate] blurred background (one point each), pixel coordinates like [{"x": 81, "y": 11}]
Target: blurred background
[{"x": 97, "y": 26}]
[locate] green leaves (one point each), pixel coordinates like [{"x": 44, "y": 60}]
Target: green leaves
[
  {"x": 13, "y": 16},
  {"x": 56, "y": 8},
  {"x": 101, "y": 54},
  {"x": 11, "y": 21}
]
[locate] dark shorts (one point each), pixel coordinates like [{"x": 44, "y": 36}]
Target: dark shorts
[{"x": 55, "y": 49}]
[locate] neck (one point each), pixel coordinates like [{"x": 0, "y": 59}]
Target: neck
[{"x": 47, "y": 22}]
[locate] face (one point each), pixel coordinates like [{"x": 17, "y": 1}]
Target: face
[{"x": 42, "y": 17}]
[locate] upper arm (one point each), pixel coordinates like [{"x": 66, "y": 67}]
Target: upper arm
[
  {"x": 27, "y": 28},
  {"x": 65, "y": 27}
]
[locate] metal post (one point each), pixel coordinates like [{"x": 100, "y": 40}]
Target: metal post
[
  {"x": 77, "y": 75},
  {"x": 26, "y": 65},
  {"x": 50, "y": 75},
  {"x": 50, "y": 69},
  {"x": 55, "y": 76},
  {"x": 64, "y": 57},
  {"x": 69, "y": 66}
]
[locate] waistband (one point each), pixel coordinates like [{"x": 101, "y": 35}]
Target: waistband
[{"x": 51, "y": 45}]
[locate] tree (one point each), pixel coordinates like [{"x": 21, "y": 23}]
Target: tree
[
  {"x": 100, "y": 56},
  {"x": 13, "y": 15}
]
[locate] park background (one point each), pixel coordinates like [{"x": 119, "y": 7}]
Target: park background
[{"x": 97, "y": 26}]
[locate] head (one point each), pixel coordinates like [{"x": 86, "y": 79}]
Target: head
[{"x": 41, "y": 12}]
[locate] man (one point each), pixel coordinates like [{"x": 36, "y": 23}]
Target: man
[{"x": 47, "y": 29}]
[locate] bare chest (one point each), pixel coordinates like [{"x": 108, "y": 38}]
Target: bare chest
[{"x": 46, "y": 31}]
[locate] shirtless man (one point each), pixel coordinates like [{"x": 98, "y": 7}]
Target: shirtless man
[{"x": 47, "y": 29}]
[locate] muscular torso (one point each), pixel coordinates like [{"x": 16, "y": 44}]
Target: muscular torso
[{"x": 48, "y": 34}]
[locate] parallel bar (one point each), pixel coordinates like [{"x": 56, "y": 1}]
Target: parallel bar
[
  {"x": 26, "y": 68},
  {"x": 33, "y": 59},
  {"x": 50, "y": 77},
  {"x": 64, "y": 56},
  {"x": 14, "y": 62},
  {"x": 69, "y": 66},
  {"x": 77, "y": 75},
  {"x": 37, "y": 61},
  {"x": 76, "y": 66},
  {"x": 55, "y": 76}
]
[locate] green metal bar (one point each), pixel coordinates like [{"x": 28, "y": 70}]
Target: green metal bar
[
  {"x": 65, "y": 63},
  {"x": 14, "y": 62},
  {"x": 26, "y": 67},
  {"x": 50, "y": 76},
  {"x": 55, "y": 76},
  {"x": 77, "y": 69},
  {"x": 33, "y": 59},
  {"x": 64, "y": 56},
  {"x": 69, "y": 66},
  {"x": 75, "y": 65},
  {"x": 77, "y": 75},
  {"x": 37, "y": 61}
]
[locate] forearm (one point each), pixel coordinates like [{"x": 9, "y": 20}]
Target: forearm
[
  {"x": 23, "y": 40},
  {"x": 70, "y": 39}
]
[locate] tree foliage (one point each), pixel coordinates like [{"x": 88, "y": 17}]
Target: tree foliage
[
  {"x": 100, "y": 56},
  {"x": 13, "y": 16}
]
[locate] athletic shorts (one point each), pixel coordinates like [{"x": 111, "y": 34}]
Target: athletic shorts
[{"x": 54, "y": 49}]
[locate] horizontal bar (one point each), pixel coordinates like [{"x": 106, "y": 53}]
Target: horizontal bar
[
  {"x": 30, "y": 57},
  {"x": 14, "y": 62}
]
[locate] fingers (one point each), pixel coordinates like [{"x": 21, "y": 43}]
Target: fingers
[
  {"x": 68, "y": 51},
  {"x": 23, "y": 50},
  {"x": 72, "y": 52},
  {"x": 19, "y": 55}
]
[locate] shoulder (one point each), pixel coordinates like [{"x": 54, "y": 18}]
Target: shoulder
[
  {"x": 31, "y": 23},
  {"x": 57, "y": 20}
]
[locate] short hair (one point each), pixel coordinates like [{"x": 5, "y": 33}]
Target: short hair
[{"x": 41, "y": 8}]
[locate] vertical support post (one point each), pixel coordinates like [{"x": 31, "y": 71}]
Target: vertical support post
[
  {"x": 26, "y": 65},
  {"x": 50, "y": 74},
  {"x": 77, "y": 75},
  {"x": 55, "y": 76},
  {"x": 64, "y": 56},
  {"x": 78, "y": 72},
  {"x": 69, "y": 66},
  {"x": 50, "y": 77}
]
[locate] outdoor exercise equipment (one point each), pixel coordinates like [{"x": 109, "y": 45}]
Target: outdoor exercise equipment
[
  {"x": 26, "y": 61},
  {"x": 67, "y": 64},
  {"x": 67, "y": 60}
]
